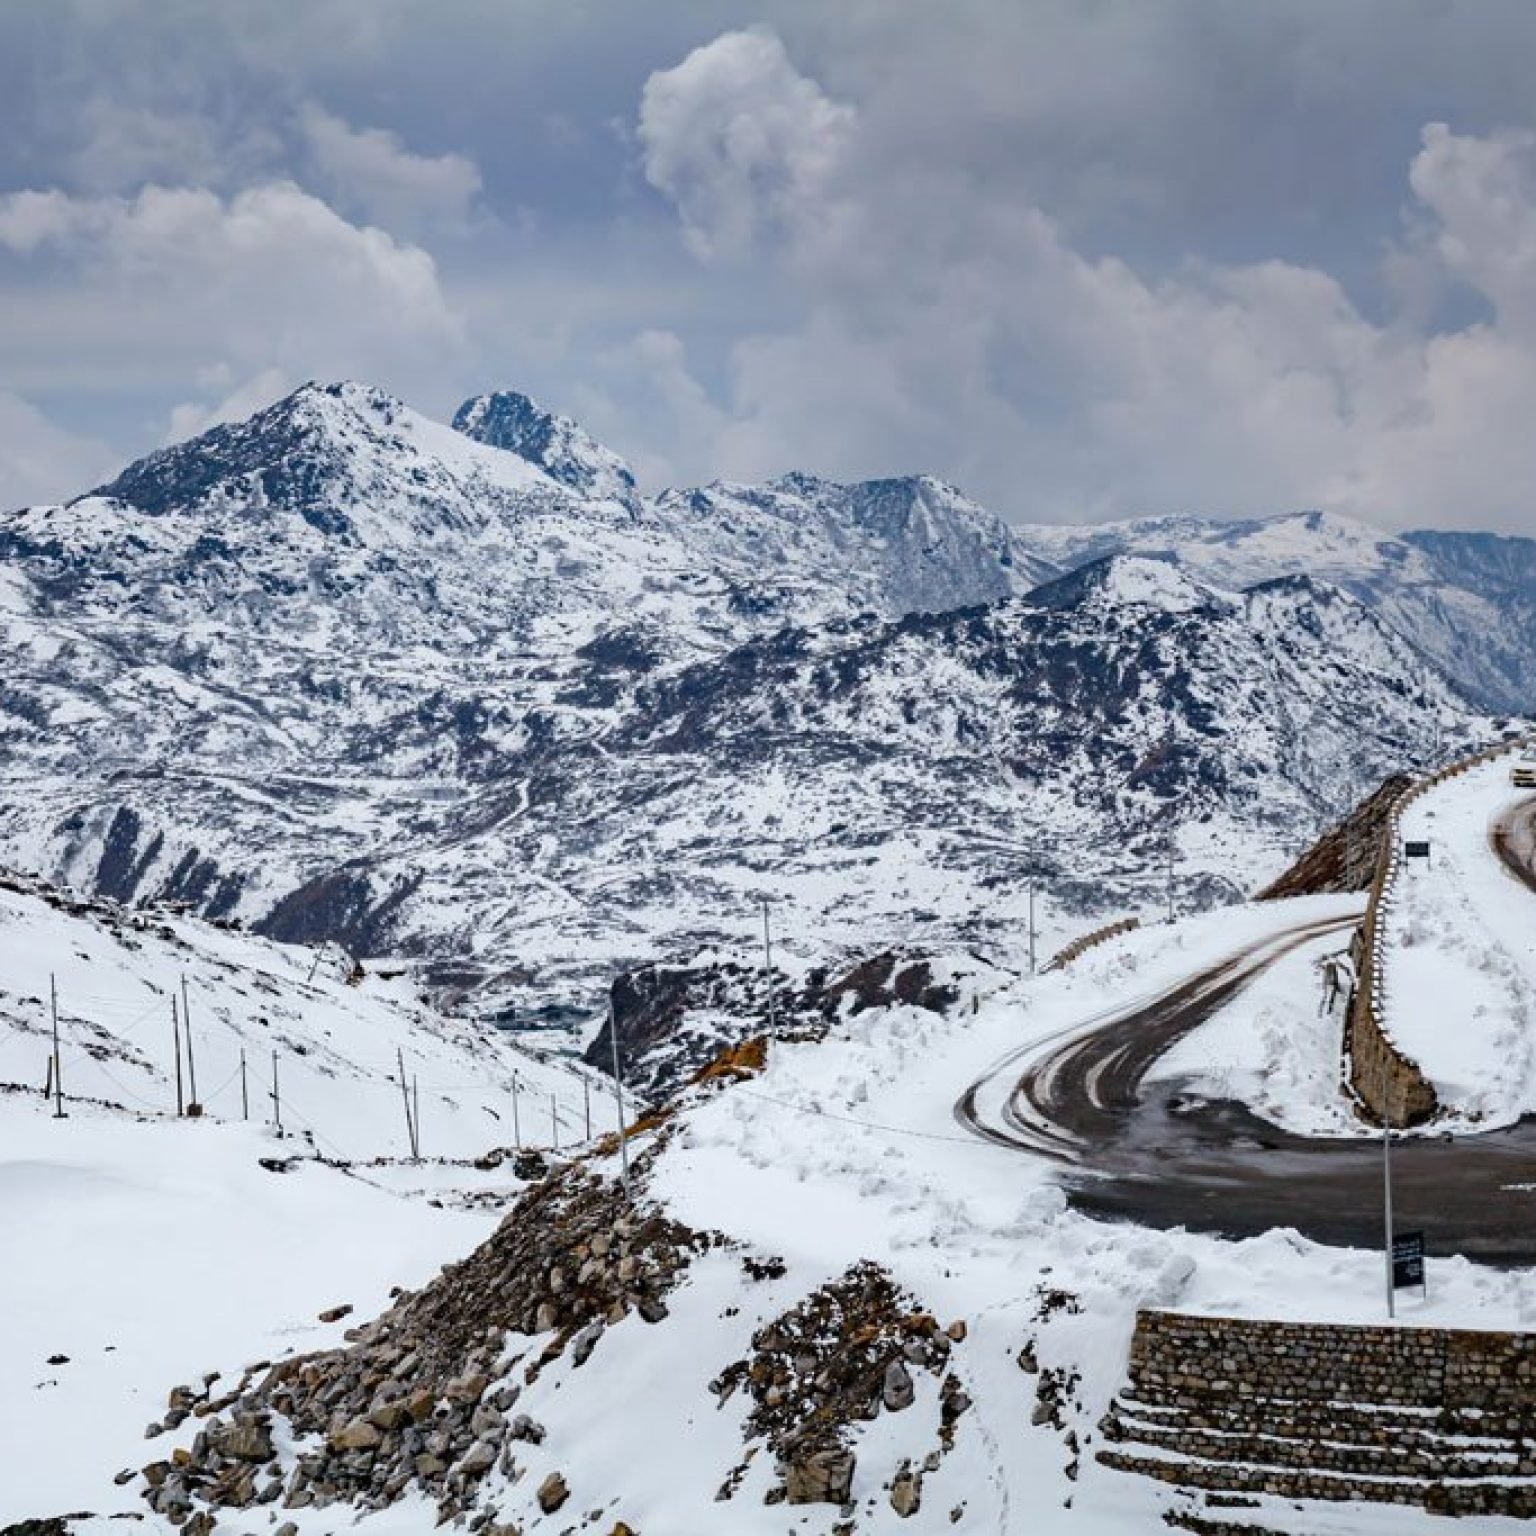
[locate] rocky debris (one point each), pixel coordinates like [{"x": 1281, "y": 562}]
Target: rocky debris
[
  {"x": 335, "y": 1314},
  {"x": 838, "y": 1358},
  {"x": 885, "y": 980},
  {"x": 423, "y": 1397},
  {"x": 55, "y": 1527},
  {"x": 820, "y": 1477}
]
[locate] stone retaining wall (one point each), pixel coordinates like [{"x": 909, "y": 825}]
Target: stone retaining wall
[
  {"x": 1371, "y": 1057},
  {"x": 1440, "y": 1418}
]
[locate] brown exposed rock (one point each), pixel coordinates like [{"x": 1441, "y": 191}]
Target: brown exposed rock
[{"x": 553, "y": 1493}]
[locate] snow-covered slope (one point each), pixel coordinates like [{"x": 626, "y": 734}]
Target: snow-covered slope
[
  {"x": 1467, "y": 601},
  {"x": 342, "y": 672},
  {"x": 841, "y": 1153},
  {"x": 335, "y": 1036}
]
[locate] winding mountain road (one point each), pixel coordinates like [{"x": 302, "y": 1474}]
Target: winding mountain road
[{"x": 1155, "y": 1154}]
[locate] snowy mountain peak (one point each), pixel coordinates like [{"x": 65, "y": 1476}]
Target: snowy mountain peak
[
  {"x": 356, "y": 464},
  {"x": 564, "y": 450},
  {"x": 1129, "y": 581}
]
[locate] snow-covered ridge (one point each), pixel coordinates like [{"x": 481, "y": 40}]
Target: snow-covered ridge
[
  {"x": 1467, "y": 601},
  {"x": 556, "y": 444}
]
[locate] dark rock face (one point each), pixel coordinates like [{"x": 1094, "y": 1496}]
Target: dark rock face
[
  {"x": 674, "y": 1020},
  {"x": 555, "y": 443},
  {"x": 341, "y": 907},
  {"x": 1344, "y": 858}
]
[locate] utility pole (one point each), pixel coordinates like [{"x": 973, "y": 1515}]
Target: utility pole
[
  {"x": 767, "y": 969},
  {"x": 58, "y": 1061},
  {"x": 245, "y": 1097},
  {"x": 618, "y": 1089},
  {"x": 277, "y": 1102},
  {"x": 186, "y": 1024},
  {"x": 181, "y": 1103},
  {"x": 405, "y": 1094},
  {"x": 1033, "y": 935},
  {"x": 517, "y": 1130},
  {"x": 1386, "y": 1186}
]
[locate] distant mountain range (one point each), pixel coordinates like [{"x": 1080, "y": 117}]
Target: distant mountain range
[{"x": 343, "y": 672}]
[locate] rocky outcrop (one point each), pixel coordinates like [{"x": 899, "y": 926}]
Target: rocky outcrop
[
  {"x": 675, "y": 1020},
  {"x": 426, "y": 1397},
  {"x": 1345, "y": 857},
  {"x": 839, "y": 1358}
]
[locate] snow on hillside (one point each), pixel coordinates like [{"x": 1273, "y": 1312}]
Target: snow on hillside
[
  {"x": 151, "y": 1248},
  {"x": 338, "y": 1044},
  {"x": 1460, "y": 949},
  {"x": 1279, "y": 1052},
  {"x": 840, "y": 1151}
]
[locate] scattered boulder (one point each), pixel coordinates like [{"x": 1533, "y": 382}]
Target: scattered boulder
[
  {"x": 822, "y": 1477},
  {"x": 553, "y": 1493}
]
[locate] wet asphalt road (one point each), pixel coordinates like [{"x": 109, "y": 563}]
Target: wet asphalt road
[{"x": 1157, "y": 1155}]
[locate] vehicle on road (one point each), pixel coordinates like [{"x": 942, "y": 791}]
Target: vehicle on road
[{"x": 1523, "y": 774}]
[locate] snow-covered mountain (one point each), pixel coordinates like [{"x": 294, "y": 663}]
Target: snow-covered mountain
[
  {"x": 1466, "y": 600},
  {"x": 343, "y": 672}
]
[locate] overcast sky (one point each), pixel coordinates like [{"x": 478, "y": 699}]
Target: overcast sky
[{"x": 1085, "y": 258}]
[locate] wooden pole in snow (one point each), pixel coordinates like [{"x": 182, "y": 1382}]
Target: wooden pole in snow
[
  {"x": 186, "y": 1024},
  {"x": 586, "y": 1106},
  {"x": 768, "y": 968},
  {"x": 277, "y": 1102},
  {"x": 405, "y": 1094},
  {"x": 58, "y": 1063},
  {"x": 517, "y": 1130},
  {"x": 554, "y": 1125},
  {"x": 618, "y": 1090},
  {"x": 181, "y": 1107},
  {"x": 245, "y": 1097}
]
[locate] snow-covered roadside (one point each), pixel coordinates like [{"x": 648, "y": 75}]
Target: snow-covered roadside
[
  {"x": 846, "y": 1150},
  {"x": 1460, "y": 955},
  {"x": 1278, "y": 1048},
  {"x": 849, "y": 1151},
  {"x": 148, "y": 1253}
]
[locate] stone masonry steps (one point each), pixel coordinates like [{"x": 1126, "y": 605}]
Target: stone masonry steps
[{"x": 1437, "y": 1418}]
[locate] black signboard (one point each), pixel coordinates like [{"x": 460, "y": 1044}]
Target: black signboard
[
  {"x": 1416, "y": 850},
  {"x": 1407, "y": 1260}
]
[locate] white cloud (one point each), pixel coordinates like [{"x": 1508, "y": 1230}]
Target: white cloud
[
  {"x": 194, "y": 417},
  {"x": 936, "y": 326},
  {"x": 739, "y": 140},
  {"x": 173, "y": 282},
  {"x": 371, "y": 170},
  {"x": 41, "y": 462}
]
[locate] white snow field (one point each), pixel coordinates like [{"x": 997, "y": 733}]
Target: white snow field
[
  {"x": 842, "y": 1150},
  {"x": 1459, "y": 942},
  {"x": 149, "y": 1249}
]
